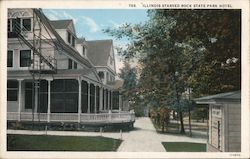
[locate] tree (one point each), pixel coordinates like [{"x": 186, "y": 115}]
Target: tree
[
  {"x": 128, "y": 74},
  {"x": 180, "y": 49}
]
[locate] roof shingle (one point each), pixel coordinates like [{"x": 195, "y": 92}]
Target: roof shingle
[
  {"x": 99, "y": 51},
  {"x": 61, "y": 24}
]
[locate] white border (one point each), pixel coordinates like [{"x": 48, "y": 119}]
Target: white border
[{"x": 117, "y": 4}]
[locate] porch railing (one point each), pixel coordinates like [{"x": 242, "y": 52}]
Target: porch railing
[{"x": 73, "y": 117}]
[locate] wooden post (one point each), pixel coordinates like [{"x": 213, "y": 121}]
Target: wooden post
[
  {"x": 19, "y": 98},
  {"x": 88, "y": 97},
  {"x": 79, "y": 99},
  {"x": 95, "y": 98},
  {"x": 49, "y": 96}
]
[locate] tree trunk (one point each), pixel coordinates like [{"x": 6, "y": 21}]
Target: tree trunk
[
  {"x": 189, "y": 121},
  {"x": 182, "y": 124},
  {"x": 174, "y": 116},
  {"x": 162, "y": 129}
]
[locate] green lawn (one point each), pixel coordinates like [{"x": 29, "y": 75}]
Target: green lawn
[
  {"x": 184, "y": 147},
  {"x": 61, "y": 143}
]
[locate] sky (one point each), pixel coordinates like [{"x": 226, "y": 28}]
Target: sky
[{"x": 89, "y": 23}]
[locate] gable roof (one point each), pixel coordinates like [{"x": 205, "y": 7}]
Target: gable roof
[
  {"x": 222, "y": 97},
  {"x": 61, "y": 24},
  {"x": 99, "y": 51},
  {"x": 60, "y": 42}
]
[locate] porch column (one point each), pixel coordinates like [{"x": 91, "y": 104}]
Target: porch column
[
  {"x": 100, "y": 98},
  {"x": 108, "y": 100},
  {"x": 37, "y": 85},
  {"x": 19, "y": 98},
  {"x": 111, "y": 100},
  {"x": 95, "y": 99},
  {"x": 49, "y": 97},
  {"x": 79, "y": 99},
  {"x": 120, "y": 102},
  {"x": 104, "y": 102},
  {"x": 88, "y": 97}
]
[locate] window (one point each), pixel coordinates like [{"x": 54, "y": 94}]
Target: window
[
  {"x": 70, "y": 64},
  {"x": 75, "y": 65},
  {"x": 25, "y": 58},
  {"x": 107, "y": 76},
  {"x": 10, "y": 58},
  {"x": 69, "y": 38},
  {"x": 73, "y": 41},
  {"x": 12, "y": 90},
  {"x": 9, "y": 25},
  {"x": 26, "y": 24},
  {"x": 101, "y": 74},
  {"x": 111, "y": 60},
  {"x": 16, "y": 25},
  {"x": 64, "y": 96},
  {"x": 28, "y": 95},
  {"x": 83, "y": 50}
]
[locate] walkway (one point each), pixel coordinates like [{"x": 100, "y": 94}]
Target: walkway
[{"x": 142, "y": 139}]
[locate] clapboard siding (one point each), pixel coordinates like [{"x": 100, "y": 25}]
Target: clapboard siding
[
  {"x": 234, "y": 128},
  {"x": 235, "y": 147}
]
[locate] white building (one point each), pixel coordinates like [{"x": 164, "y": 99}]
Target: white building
[{"x": 53, "y": 76}]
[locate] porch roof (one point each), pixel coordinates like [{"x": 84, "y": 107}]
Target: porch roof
[
  {"x": 229, "y": 97},
  {"x": 65, "y": 73}
]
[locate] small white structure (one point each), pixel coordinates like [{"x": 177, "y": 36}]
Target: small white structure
[{"x": 224, "y": 121}]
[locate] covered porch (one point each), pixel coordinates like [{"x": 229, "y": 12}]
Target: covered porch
[{"x": 66, "y": 97}]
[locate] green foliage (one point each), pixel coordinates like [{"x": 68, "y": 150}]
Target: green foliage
[
  {"x": 180, "y": 49},
  {"x": 128, "y": 74},
  {"x": 200, "y": 113}
]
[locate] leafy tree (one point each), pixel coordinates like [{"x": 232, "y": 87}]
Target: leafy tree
[{"x": 180, "y": 49}]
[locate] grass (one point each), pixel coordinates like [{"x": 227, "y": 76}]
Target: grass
[
  {"x": 61, "y": 143},
  {"x": 184, "y": 147}
]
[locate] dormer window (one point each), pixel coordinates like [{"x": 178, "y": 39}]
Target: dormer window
[
  {"x": 70, "y": 63},
  {"x": 71, "y": 39},
  {"x": 111, "y": 60},
  {"x": 101, "y": 75},
  {"x": 83, "y": 50},
  {"x": 75, "y": 65}
]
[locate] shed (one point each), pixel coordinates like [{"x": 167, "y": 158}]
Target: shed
[{"x": 224, "y": 121}]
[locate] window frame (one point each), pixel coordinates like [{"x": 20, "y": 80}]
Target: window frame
[
  {"x": 26, "y": 98},
  {"x": 22, "y": 19},
  {"x": 73, "y": 40},
  {"x": 21, "y": 24},
  {"x": 70, "y": 63},
  {"x": 12, "y": 89},
  {"x": 69, "y": 37},
  {"x": 75, "y": 65},
  {"x": 20, "y": 58},
  {"x": 83, "y": 50},
  {"x": 9, "y": 28},
  {"x": 12, "y": 62}
]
